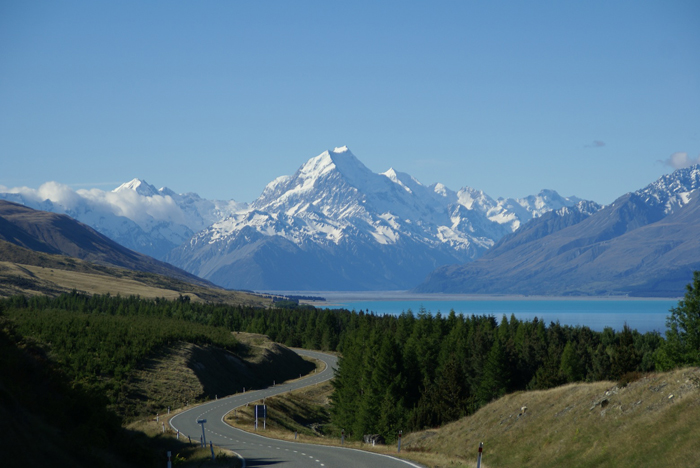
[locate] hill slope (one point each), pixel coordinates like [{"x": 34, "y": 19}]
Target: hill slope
[
  {"x": 24, "y": 271},
  {"x": 52, "y": 233},
  {"x": 650, "y": 422}
]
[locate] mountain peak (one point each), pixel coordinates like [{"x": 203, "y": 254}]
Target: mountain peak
[
  {"x": 408, "y": 182},
  {"x": 392, "y": 174},
  {"x": 340, "y": 159},
  {"x": 139, "y": 186}
]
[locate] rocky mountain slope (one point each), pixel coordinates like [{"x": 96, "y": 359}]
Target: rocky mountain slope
[
  {"x": 336, "y": 225},
  {"x": 646, "y": 243}
]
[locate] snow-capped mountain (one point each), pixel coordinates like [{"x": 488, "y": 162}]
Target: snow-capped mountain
[
  {"x": 671, "y": 191},
  {"x": 135, "y": 214},
  {"x": 645, "y": 243},
  {"x": 335, "y": 224}
]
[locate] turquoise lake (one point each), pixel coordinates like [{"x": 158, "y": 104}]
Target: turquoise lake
[{"x": 598, "y": 313}]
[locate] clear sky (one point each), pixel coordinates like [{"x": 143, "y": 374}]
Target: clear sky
[{"x": 219, "y": 98}]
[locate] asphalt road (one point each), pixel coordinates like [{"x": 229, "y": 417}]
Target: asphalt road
[{"x": 260, "y": 451}]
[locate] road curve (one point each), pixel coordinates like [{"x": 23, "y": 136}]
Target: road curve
[{"x": 260, "y": 451}]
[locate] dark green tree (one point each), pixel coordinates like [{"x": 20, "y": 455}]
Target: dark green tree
[
  {"x": 495, "y": 379},
  {"x": 625, "y": 357},
  {"x": 682, "y": 346},
  {"x": 571, "y": 367}
]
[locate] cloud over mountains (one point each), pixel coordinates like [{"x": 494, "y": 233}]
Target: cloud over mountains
[
  {"x": 135, "y": 214},
  {"x": 680, "y": 160}
]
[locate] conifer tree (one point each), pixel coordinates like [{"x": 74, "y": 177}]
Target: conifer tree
[
  {"x": 682, "y": 346},
  {"x": 495, "y": 379}
]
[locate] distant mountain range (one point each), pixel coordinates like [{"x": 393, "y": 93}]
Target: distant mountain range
[
  {"x": 336, "y": 225},
  {"x": 646, "y": 243}
]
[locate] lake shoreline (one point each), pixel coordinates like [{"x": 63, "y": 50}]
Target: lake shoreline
[{"x": 339, "y": 297}]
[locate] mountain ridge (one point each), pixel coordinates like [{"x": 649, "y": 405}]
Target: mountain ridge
[{"x": 643, "y": 244}]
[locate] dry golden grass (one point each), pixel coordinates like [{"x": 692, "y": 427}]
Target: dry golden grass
[
  {"x": 651, "y": 422},
  {"x": 25, "y": 271},
  {"x": 64, "y": 274},
  {"x": 90, "y": 282}
]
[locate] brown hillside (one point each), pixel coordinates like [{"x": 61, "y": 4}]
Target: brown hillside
[
  {"x": 24, "y": 271},
  {"x": 53, "y": 233}
]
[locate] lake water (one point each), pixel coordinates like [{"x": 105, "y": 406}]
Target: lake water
[{"x": 597, "y": 313}]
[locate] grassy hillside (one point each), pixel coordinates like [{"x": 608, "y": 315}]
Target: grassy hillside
[
  {"x": 652, "y": 422},
  {"x": 24, "y": 271},
  {"x": 184, "y": 373}
]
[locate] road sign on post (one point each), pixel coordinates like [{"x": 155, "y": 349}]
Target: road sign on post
[
  {"x": 204, "y": 438},
  {"x": 260, "y": 410}
]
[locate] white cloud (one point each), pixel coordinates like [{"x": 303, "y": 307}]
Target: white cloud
[
  {"x": 141, "y": 209},
  {"x": 681, "y": 160},
  {"x": 59, "y": 194}
]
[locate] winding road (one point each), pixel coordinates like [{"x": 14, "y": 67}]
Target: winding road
[{"x": 260, "y": 451}]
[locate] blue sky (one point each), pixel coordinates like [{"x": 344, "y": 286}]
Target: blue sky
[{"x": 219, "y": 98}]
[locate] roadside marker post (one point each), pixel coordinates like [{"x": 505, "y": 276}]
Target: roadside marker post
[
  {"x": 478, "y": 460},
  {"x": 400, "y": 432},
  {"x": 170, "y": 464},
  {"x": 211, "y": 446},
  {"x": 342, "y": 437}
]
